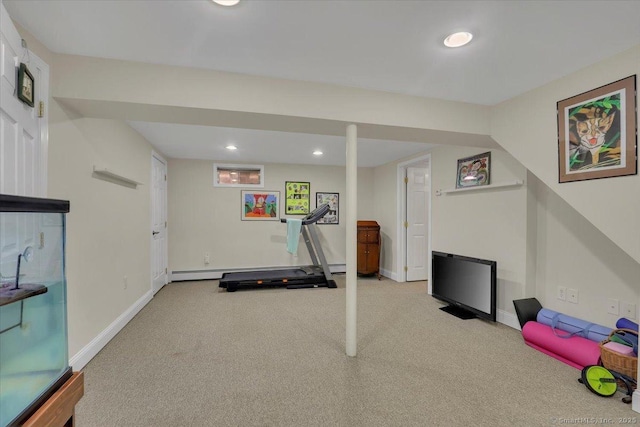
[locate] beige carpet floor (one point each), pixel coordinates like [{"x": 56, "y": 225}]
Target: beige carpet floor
[{"x": 199, "y": 356}]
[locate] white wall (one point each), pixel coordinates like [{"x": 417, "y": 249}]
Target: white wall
[
  {"x": 526, "y": 126},
  {"x": 575, "y": 254},
  {"x": 204, "y": 218},
  {"x": 385, "y": 198},
  {"x": 487, "y": 223},
  {"x": 108, "y": 225}
]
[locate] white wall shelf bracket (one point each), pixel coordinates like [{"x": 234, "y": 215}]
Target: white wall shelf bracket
[
  {"x": 515, "y": 183},
  {"x": 108, "y": 175}
]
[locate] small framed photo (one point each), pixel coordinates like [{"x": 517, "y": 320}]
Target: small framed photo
[
  {"x": 297, "y": 198},
  {"x": 333, "y": 199},
  {"x": 474, "y": 171},
  {"x": 260, "y": 205},
  {"x": 26, "y": 85},
  {"x": 597, "y": 133}
]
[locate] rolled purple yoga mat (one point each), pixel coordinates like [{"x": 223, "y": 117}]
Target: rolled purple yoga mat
[{"x": 624, "y": 323}]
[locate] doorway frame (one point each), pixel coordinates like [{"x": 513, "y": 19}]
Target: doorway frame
[{"x": 401, "y": 210}]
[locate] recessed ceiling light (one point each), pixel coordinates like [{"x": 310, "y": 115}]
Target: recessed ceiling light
[
  {"x": 317, "y": 153},
  {"x": 458, "y": 39},
  {"x": 226, "y": 2},
  {"x": 231, "y": 147}
]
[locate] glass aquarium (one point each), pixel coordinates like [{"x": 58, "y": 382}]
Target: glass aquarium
[{"x": 34, "y": 360}]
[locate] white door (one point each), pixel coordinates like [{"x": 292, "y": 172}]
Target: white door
[
  {"x": 417, "y": 223},
  {"x": 23, "y": 141},
  {"x": 23, "y": 135},
  {"x": 159, "y": 258}
]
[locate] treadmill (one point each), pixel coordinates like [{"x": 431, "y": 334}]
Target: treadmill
[{"x": 313, "y": 276}]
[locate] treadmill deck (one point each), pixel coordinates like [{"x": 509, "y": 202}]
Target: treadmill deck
[{"x": 288, "y": 277}]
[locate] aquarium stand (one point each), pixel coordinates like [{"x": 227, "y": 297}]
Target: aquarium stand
[{"x": 59, "y": 409}]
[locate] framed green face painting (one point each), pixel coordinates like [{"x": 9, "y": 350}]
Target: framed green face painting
[{"x": 297, "y": 197}]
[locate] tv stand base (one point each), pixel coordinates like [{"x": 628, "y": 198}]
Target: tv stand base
[{"x": 459, "y": 312}]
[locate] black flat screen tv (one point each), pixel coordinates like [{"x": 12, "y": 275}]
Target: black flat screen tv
[{"x": 467, "y": 284}]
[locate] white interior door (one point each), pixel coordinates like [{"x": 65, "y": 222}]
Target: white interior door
[
  {"x": 23, "y": 141},
  {"x": 23, "y": 135},
  {"x": 159, "y": 259},
  {"x": 417, "y": 223}
]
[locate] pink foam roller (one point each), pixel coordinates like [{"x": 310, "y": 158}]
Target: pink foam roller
[{"x": 575, "y": 351}]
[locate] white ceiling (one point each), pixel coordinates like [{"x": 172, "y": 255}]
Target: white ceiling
[
  {"x": 392, "y": 46},
  {"x": 257, "y": 146}
]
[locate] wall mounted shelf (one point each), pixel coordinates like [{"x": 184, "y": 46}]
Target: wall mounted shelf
[
  {"x": 515, "y": 183},
  {"x": 109, "y": 175}
]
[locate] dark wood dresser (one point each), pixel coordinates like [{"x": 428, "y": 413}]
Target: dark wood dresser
[{"x": 369, "y": 243}]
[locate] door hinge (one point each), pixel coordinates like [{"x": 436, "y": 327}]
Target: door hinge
[
  {"x": 41, "y": 109},
  {"x": 406, "y": 268},
  {"x": 165, "y": 224},
  {"x": 165, "y": 271},
  {"x": 165, "y": 177},
  {"x": 406, "y": 180},
  {"x": 406, "y": 224}
]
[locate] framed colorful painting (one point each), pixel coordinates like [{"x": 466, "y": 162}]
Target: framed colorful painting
[
  {"x": 297, "y": 197},
  {"x": 260, "y": 205},
  {"x": 333, "y": 199},
  {"x": 474, "y": 171},
  {"x": 597, "y": 133}
]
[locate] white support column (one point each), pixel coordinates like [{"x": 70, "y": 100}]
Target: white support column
[{"x": 352, "y": 235}]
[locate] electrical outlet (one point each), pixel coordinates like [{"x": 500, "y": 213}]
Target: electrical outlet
[
  {"x": 207, "y": 258},
  {"x": 613, "y": 306},
  {"x": 562, "y": 293},
  {"x": 572, "y": 295},
  {"x": 629, "y": 310},
  {"x": 125, "y": 282}
]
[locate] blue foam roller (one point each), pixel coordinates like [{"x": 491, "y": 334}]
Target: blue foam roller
[{"x": 624, "y": 323}]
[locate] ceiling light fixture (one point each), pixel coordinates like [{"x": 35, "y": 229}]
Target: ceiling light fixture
[
  {"x": 317, "y": 153},
  {"x": 231, "y": 147},
  {"x": 226, "y": 2},
  {"x": 458, "y": 39}
]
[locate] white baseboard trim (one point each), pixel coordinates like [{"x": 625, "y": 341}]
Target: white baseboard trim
[
  {"x": 179, "y": 276},
  {"x": 508, "y": 319},
  {"x": 388, "y": 273},
  {"x": 88, "y": 352}
]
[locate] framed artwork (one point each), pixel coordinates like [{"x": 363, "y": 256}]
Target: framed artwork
[
  {"x": 297, "y": 195},
  {"x": 26, "y": 85},
  {"x": 474, "y": 171},
  {"x": 333, "y": 216},
  {"x": 260, "y": 205},
  {"x": 597, "y": 133}
]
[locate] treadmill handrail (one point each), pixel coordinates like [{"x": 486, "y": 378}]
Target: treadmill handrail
[{"x": 313, "y": 216}]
